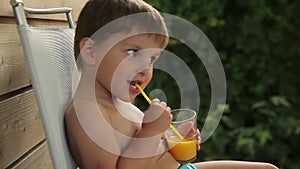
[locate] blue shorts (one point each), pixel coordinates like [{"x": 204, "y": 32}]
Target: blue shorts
[{"x": 187, "y": 166}]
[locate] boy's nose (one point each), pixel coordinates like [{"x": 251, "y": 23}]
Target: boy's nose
[
  {"x": 144, "y": 68},
  {"x": 143, "y": 65}
]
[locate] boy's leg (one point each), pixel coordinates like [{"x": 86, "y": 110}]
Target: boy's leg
[{"x": 233, "y": 165}]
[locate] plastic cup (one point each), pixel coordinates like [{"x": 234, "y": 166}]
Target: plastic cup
[{"x": 183, "y": 150}]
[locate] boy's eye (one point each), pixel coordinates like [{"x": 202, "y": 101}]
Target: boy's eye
[
  {"x": 132, "y": 52},
  {"x": 152, "y": 59}
]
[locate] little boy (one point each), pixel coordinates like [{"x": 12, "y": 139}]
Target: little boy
[{"x": 104, "y": 130}]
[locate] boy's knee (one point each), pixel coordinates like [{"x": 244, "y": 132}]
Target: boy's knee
[{"x": 270, "y": 166}]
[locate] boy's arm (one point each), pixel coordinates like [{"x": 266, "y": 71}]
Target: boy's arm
[
  {"x": 147, "y": 147},
  {"x": 143, "y": 150},
  {"x": 92, "y": 156},
  {"x": 86, "y": 153}
]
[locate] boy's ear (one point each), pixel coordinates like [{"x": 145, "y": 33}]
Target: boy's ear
[{"x": 87, "y": 50}]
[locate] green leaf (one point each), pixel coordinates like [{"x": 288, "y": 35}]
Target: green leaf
[
  {"x": 280, "y": 100},
  {"x": 259, "y": 104}
]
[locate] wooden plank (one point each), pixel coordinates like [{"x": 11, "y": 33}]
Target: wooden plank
[
  {"x": 9, "y": 34},
  {"x": 6, "y": 9},
  {"x": 20, "y": 127},
  {"x": 38, "y": 158},
  {"x": 14, "y": 73},
  {"x": 13, "y": 69}
]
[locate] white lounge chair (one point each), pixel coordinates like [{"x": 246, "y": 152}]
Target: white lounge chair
[{"x": 49, "y": 55}]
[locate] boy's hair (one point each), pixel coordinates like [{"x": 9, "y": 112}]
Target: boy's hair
[{"x": 97, "y": 13}]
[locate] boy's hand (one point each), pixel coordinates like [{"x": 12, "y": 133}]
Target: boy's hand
[
  {"x": 157, "y": 118},
  {"x": 187, "y": 130},
  {"x": 198, "y": 138}
]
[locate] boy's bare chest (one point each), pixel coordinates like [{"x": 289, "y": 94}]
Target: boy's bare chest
[{"x": 124, "y": 126}]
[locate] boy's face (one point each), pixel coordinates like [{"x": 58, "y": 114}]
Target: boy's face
[{"x": 127, "y": 63}]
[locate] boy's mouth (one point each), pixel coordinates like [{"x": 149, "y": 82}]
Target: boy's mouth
[
  {"x": 132, "y": 83},
  {"x": 132, "y": 86}
]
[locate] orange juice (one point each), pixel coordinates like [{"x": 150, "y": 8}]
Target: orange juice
[{"x": 184, "y": 151}]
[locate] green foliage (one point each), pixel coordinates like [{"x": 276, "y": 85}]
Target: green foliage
[{"x": 259, "y": 45}]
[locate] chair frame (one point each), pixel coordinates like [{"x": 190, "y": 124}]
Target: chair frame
[{"x": 19, "y": 11}]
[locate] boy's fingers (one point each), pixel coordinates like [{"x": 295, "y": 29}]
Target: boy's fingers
[
  {"x": 198, "y": 140},
  {"x": 156, "y": 100},
  {"x": 163, "y": 104},
  {"x": 186, "y": 129},
  {"x": 198, "y": 147}
]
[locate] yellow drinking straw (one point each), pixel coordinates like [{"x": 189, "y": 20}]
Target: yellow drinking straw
[{"x": 149, "y": 101}]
